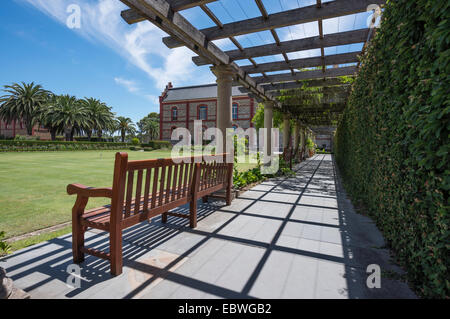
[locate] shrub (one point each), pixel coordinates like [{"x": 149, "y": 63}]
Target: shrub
[
  {"x": 135, "y": 141},
  {"x": 4, "y": 246},
  {"x": 392, "y": 142}
]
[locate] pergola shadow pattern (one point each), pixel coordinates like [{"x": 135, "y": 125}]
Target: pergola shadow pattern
[{"x": 296, "y": 237}]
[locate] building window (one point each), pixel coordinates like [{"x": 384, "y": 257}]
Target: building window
[
  {"x": 202, "y": 112},
  {"x": 174, "y": 113},
  {"x": 235, "y": 111}
]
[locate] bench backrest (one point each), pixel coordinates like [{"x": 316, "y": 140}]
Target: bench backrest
[{"x": 154, "y": 184}]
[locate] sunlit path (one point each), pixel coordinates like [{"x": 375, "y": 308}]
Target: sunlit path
[{"x": 285, "y": 238}]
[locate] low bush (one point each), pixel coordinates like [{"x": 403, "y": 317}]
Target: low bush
[
  {"x": 4, "y": 246},
  {"x": 36, "y": 145},
  {"x": 157, "y": 145}
]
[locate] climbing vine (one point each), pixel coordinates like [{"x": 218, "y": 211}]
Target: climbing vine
[{"x": 392, "y": 143}]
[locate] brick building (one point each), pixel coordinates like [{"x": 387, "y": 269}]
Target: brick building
[
  {"x": 13, "y": 129},
  {"x": 180, "y": 107}
]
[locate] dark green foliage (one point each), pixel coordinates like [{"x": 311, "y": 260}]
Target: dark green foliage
[
  {"x": 36, "y": 145},
  {"x": 157, "y": 144},
  {"x": 392, "y": 143},
  {"x": 4, "y": 246}
]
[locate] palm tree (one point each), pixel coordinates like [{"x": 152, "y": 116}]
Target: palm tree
[
  {"x": 46, "y": 116},
  {"x": 125, "y": 125},
  {"x": 67, "y": 112},
  {"x": 23, "y": 102},
  {"x": 100, "y": 116}
]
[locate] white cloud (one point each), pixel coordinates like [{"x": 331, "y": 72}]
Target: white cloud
[
  {"x": 140, "y": 44},
  {"x": 130, "y": 85}
]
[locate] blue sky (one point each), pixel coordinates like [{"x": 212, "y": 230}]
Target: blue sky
[{"x": 127, "y": 66}]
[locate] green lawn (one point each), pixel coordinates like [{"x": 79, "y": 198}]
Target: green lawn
[{"x": 33, "y": 185}]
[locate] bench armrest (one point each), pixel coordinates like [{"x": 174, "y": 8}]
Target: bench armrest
[{"x": 88, "y": 191}]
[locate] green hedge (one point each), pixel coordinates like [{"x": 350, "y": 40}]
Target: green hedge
[
  {"x": 392, "y": 144},
  {"x": 37, "y": 145},
  {"x": 29, "y": 146},
  {"x": 157, "y": 144}
]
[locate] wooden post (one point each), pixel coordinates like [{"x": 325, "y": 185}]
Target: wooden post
[
  {"x": 194, "y": 197},
  {"x": 229, "y": 182}
]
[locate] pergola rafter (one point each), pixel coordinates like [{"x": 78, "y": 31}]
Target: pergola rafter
[
  {"x": 335, "y": 82},
  {"x": 330, "y": 40},
  {"x": 307, "y": 75},
  {"x": 302, "y": 15},
  {"x": 303, "y": 63},
  {"x": 160, "y": 13},
  {"x": 327, "y": 71}
]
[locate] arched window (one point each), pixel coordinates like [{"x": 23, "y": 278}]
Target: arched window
[
  {"x": 202, "y": 112},
  {"x": 174, "y": 113},
  {"x": 235, "y": 110}
]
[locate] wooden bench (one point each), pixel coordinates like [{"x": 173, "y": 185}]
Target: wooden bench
[{"x": 142, "y": 190}]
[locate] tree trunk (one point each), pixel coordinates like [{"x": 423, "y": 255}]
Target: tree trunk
[
  {"x": 89, "y": 134},
  {"x": 67, "y": 133},
  {"x": 123, "y": 136},
  {"x": 100, "y": 133},
  {"x": 53, "y": 133},
  {"x": 29, "y": 127}
]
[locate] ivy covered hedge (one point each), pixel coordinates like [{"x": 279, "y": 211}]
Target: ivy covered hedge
[{"x": 392, "y": 144}]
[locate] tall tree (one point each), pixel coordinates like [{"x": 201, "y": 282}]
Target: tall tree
[
  {"x": 149, "y": 127},
  {"x": 67, "y": 112},
  {"x": 99, "y": 115},
  {"x": 46, "y": 117},
  {"x": 23, "y": 102},
  {"x": 125, "y": 125}
]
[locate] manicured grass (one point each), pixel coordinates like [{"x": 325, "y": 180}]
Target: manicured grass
[{"x": 33, "y": 185}]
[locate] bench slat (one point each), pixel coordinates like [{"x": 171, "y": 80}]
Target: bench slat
[
  {"x": 129, "y": 193},
  {"x": 138, "y": 189},
  {"x": 155, "y": 186},
  {"x": 147, "y": 187}
]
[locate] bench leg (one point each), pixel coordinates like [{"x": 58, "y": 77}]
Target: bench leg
[
  {"x": 193, "y": 213},
  {"x": 77, "y": 241},
  {"x": 115, "y": 242},
  {"x": 205, "y": 199},
  {"x": 164, "y": 218},
  {"x": 78, "y": 230}
]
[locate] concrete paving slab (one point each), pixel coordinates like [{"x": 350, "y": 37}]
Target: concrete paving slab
[{"x": 296, "y": 237}]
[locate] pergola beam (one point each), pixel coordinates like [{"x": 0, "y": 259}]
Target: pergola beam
[
  {"x": 283, "y": 19},
  {"x": 298, "y": 85},
  {"x": 303, "y": 63},
  {"x": 132, "y": 16},
  {"x": 160, "y": 13},
  {"x": 329, "y": 40},
  {"x": 335, "y": 93},
  {"x": 306, "y": 75}
]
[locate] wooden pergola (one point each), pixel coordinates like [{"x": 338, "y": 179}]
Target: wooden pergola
[{"x": 322, "y": 71}]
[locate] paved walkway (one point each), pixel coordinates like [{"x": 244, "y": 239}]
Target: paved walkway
[{"x": 285, "y": 238}]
